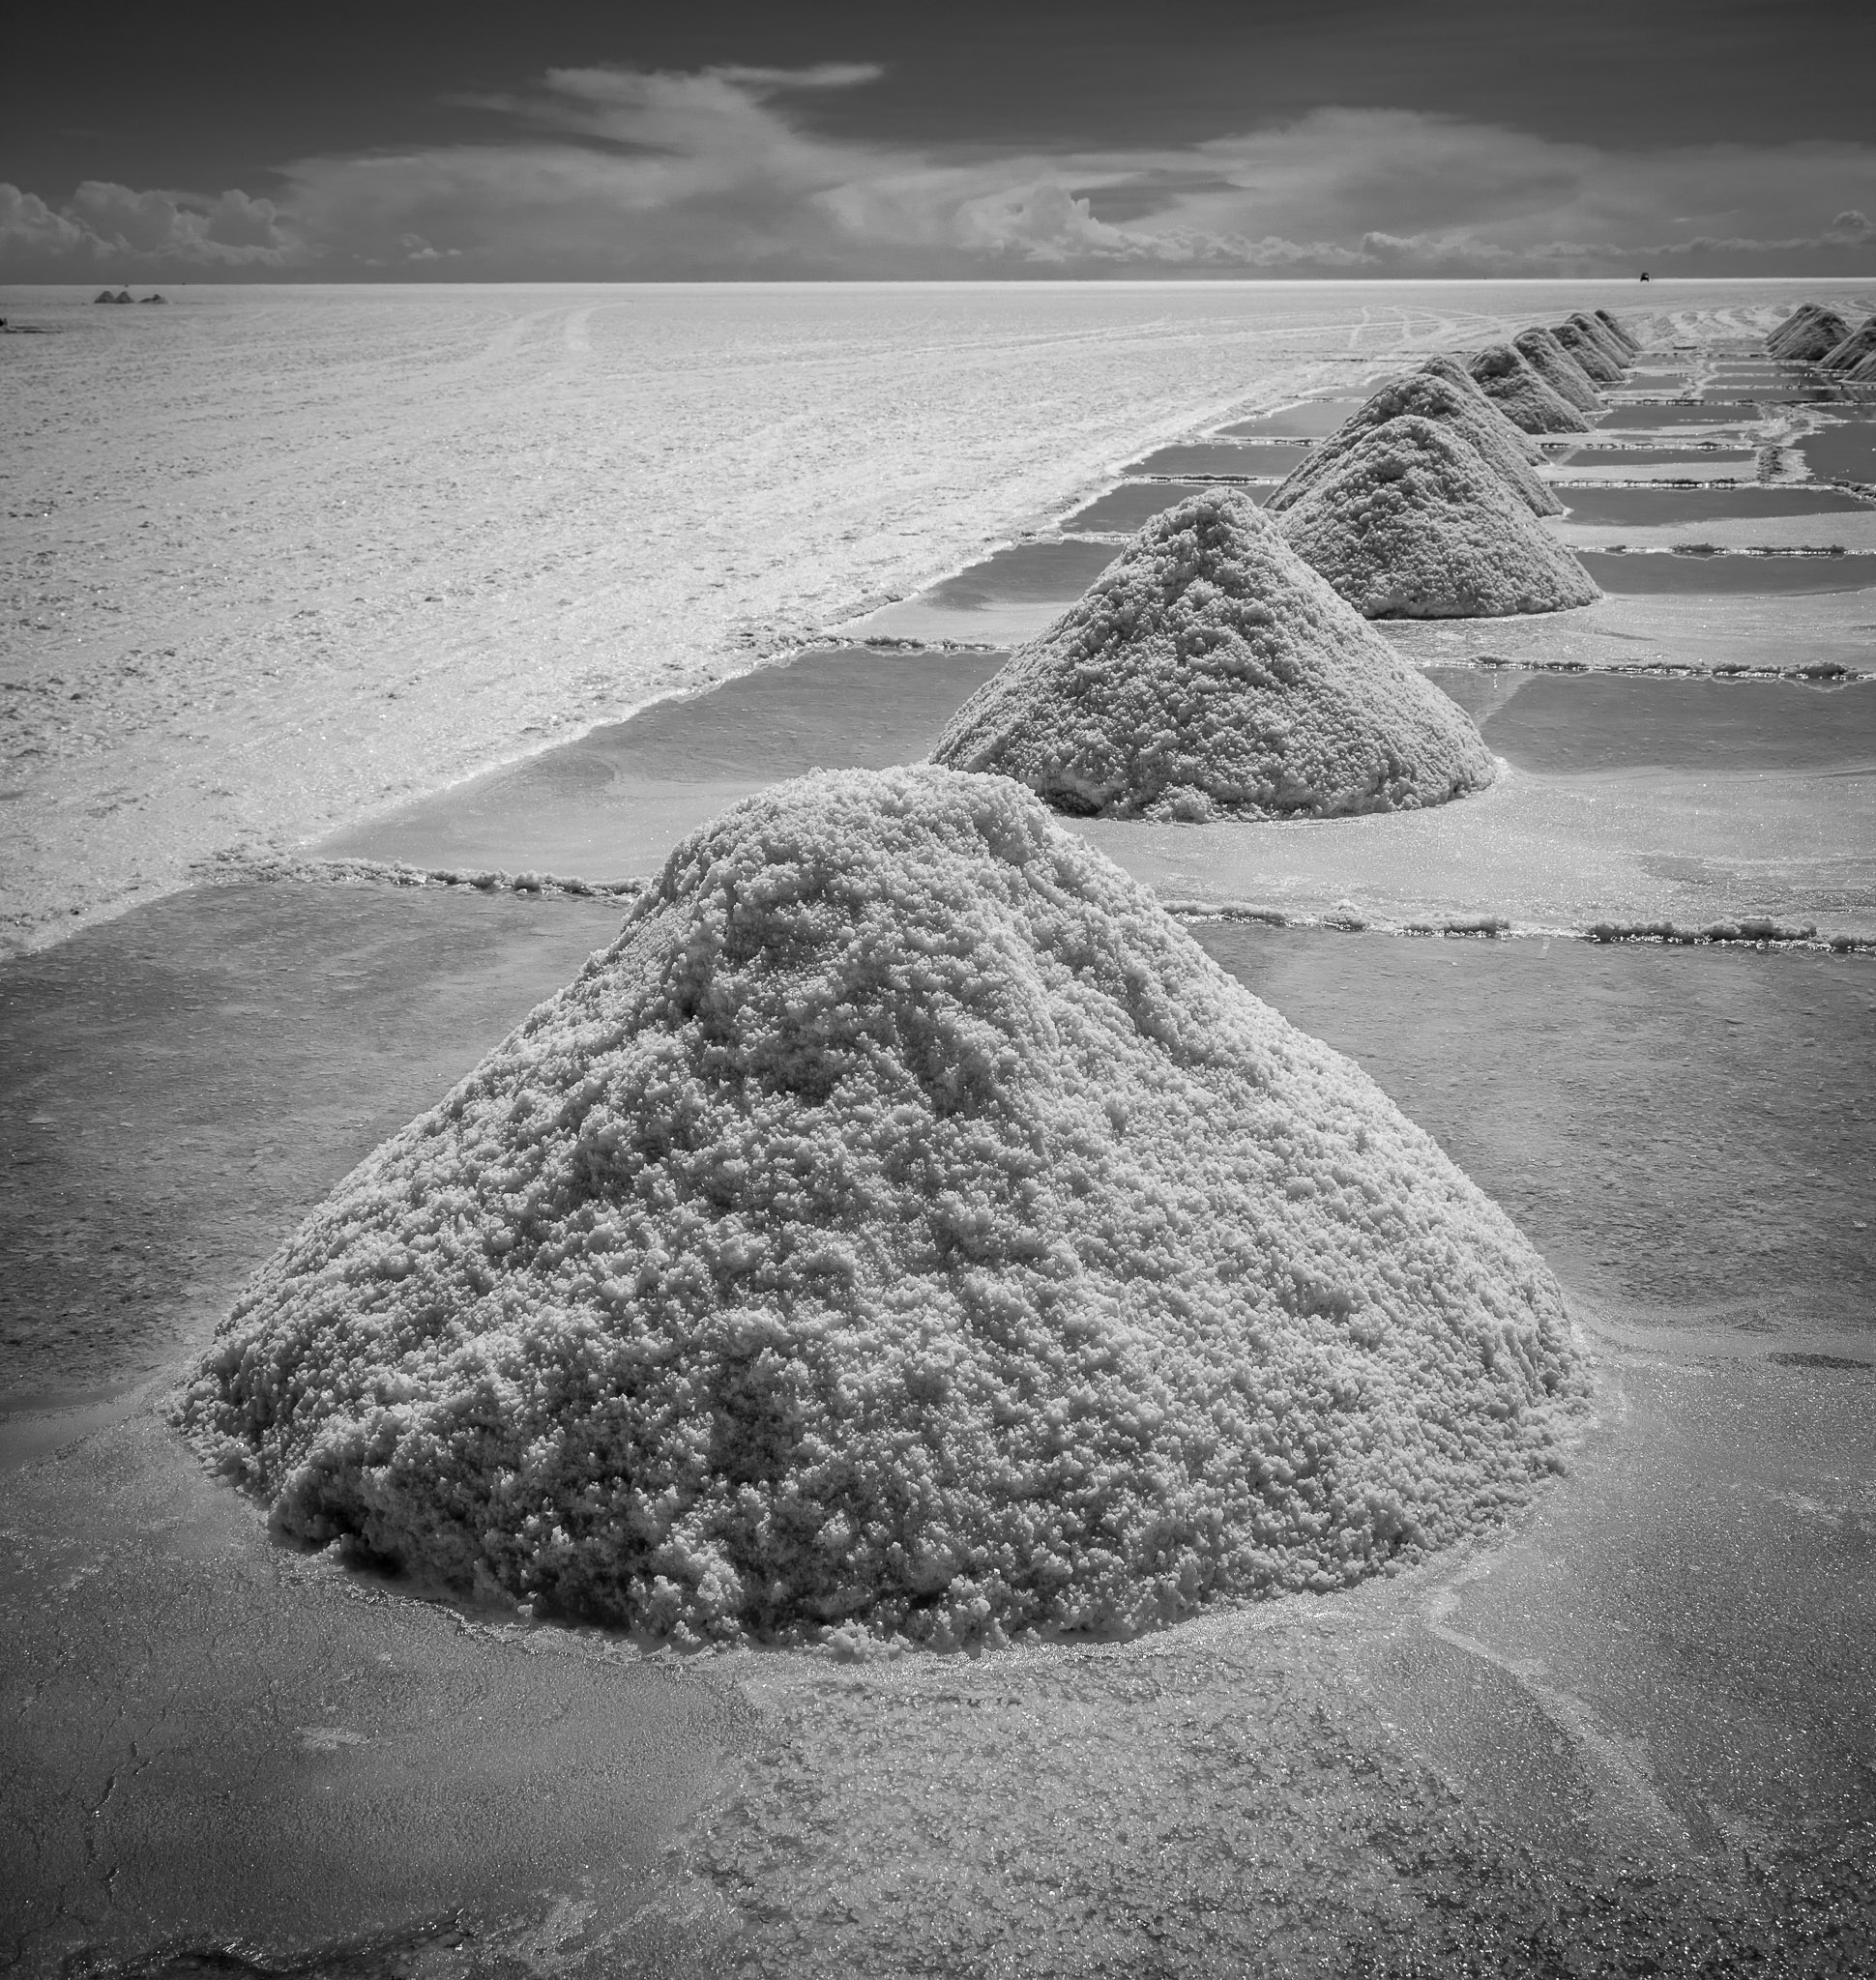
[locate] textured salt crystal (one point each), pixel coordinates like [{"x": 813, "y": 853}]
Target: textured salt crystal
[
  {"x": 1411, "y": 524},
  {"x": 1443, "y": 364},
  {"x": 1587, "y": 353},
  {"x": 1852, "y": 349},
  {"x": 1603, "y": 339},
  {"x": 1619, "y": 331},
  {"x": 1865, "y": 369},
  {"x": 1808, "y": 334},
  {"x": 1209, "y": 672},
  {"x": 1522, "y": 394},
  {"x": 1558, "y": 369},
  {"x": 1491, "y": 435},
  {"x": 904, "y": 1225}
]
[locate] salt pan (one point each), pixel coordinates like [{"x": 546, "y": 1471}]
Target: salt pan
[
  {"x": 902, "y": 1226},
  {"x": 1209, "y": 672},
  {"x": 1411, "y": 523}
]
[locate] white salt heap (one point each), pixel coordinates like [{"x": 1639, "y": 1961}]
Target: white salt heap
[
  {"x": 1411, "y": 524},
  {"x": 1209, "y": 672},
  {"x": 1470, "y": 414},
  {"x": 1521, "y": 393},
  {"x": 1808, "y": 334},
  {"x": 1617, "y": 328},
  {"x": 1587, "y": 353},
  {"x": 1864, "y": 370},
  {"x": 903, "y": 1224},
  {"x": 1850, "y": 352},
  {"x": 1558, "y": 369},
  {"x": 1605, "y": 340}
]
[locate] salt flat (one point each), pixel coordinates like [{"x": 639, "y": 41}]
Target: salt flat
[{"x": 280, "y": 557}]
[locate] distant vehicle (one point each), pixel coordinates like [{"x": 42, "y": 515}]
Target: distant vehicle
[{"x": 1644, "y": 275}]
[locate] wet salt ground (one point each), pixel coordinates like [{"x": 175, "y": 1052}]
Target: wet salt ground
[
  {"x": 1554, "y": 844},
  {"x": 1230, "y": 459},
  {"x": 1612, "y": 502},
  {"x": 1845, "y": 449},
  {"x": 1640, "y": 1720},
  {"x": 1133, "y": 503},
  {"x": 1769, "y": 576}
]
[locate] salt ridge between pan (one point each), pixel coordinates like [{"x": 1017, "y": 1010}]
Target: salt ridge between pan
[
  {"x": 1558, "y": 369},
  {"x": 1522, "y": 394},
  {"x": 902, "y": 1226},
  {"x": 1411, "y": 523},
  {"x": 1209, "y": 672},
  {"x": 1430, "y": 397}
]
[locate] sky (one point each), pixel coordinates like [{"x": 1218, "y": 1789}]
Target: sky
[{"x": 615, "y": 140}]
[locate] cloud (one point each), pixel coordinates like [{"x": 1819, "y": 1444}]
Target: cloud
[
  {"x": 613, "y": 173},
  {"x": 151, "y": 232}
]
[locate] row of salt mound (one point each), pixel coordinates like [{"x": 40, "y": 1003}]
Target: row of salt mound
[
  {"x": 1808, "y": 334},
  {"x": 1429, "y": 396},
  {"x": 1612, "y": 346},
  {"x": 1411, "y": 523},
  {"x": 1854, "y": 348},
  {"x": 1559, "y": 370},
  {"x": 1587, "y": 353},
  {"x": 1522, "y": 394},
  {"x": 904, "y": 1226},
  {"x": 1620, "y": 331},
  {"x": 1863, "y": 371},
  {"x": 1209, "y": 672}
]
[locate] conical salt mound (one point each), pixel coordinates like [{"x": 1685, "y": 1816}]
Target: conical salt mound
[
  {"x": 1209, "y": 673},
  {"x": 1411, "y": 524},
  {"x": 1808, "y": 334},
  {"x": 1443, "y": 364},
  {"x": 1604, "y": 339},
  {"x": 1846, "y": 355},
  {"x": 1864, "y": 370},
  {"x": 1558, "y": 369},
  {"x": 1496, "y": 441},
  {"x": 1620, "y": 332},
  {"x": 904, "y": 1225},
  {"x": 1521, "y": 393},
  {"x": 1587, "y": 353}
]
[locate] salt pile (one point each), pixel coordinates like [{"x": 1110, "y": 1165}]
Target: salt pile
[
  {"x": 1808, "y": 334},
  {"x": 1587, "y": 353},
  {"x": 1521, "y": 393},
  {"x": 1558, "y": 369},
  {"x": 1604, "y": 339},
  {"x": 1411, "y": 524},
  {"x": 1850, "y": 352},
  {"x": 1864, "y": 370},
  {"x": 1209, "y": 672},
  {"x": 902, "y": 1226},
  {"x": 1617, "y": 328},
  {"x": 1473, "y": 416}
]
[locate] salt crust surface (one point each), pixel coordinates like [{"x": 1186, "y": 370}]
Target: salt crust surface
[
  {"x": 1558, "y": 369},
  {"x": 1411, "y": 524},
  {"x": 1522, "y": 394},
  {"x": 1210, "y": 673},
  {"x": 1491, "y": 435},
  {"x": 903, "y": 1224}
]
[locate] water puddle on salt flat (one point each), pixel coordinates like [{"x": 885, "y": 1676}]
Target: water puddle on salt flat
[
  {"x": 1217, "y": 457},
  {"x": 1587, "y": 723},
  {"x": 1306, "y": 421},
  {"x": 1845, "y": 448},
  {"x": 1669, "y": 572},
  {"x": 613, "y": 803},
  {"x": 1644, "y": 507},
  {"x": 1690, "y": 457},
  {"x": 1650, "y": 418},
  {"x": 1134, "y": 502}
]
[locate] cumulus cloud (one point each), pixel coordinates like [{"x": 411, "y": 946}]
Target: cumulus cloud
[{"x": 618, "y": 173}]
